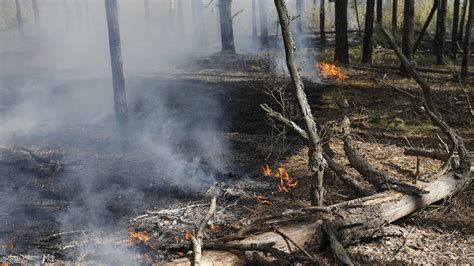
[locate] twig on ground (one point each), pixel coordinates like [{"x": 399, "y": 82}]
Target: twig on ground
[
  {"x": 198, "y": 239},
  {"x": 287, "y": 238}
]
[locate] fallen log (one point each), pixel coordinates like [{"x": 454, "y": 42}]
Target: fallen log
[
  {"x": 432, "y": 154},
  {"x": 386, "y": 208},
  {"x": 44, "y": 162}
]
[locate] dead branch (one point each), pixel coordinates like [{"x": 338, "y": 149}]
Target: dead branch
[
  {"x": 286, "y": 237},
  {"x": 198, "y": 239},
  {"x": 381, "y": 180},
  {"x": 432, "y": 154},
  {"x": 336, "y": 246}
]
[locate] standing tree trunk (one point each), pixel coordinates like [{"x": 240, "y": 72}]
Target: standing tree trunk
[
  {"x": 299, "y": 12},
  {"x": 146, "y": 6},
  {"x": 19, "y": 19},
  {"x": 120, "y": 99},
  {"x": 34, "y": 4},
  {"x": 180, "y": 15},
  {"x": 322, "y": 20},
  {"x": 379, "y": 13},
  {"x": 342, "y": 44},
  {"x": 454, "y": 30},
  {"x": 356, "y": 8},
  {"x": 316, "y": 160},
  {"x": 254, "y": 19},
  {"x": 199, "y": 26},
  {"x": 425, "y": 26},
  {"x": 408, "y": 30},
  {"x": 368, "y": 32},
  {"x": 227, "y": 31},
  {"x": 263, "y": 23},
  {"x": 461, "y": 22},
  {"x": 440, "y": 31},
  {"x": 467, "y": 42},
  {"x": 394, "y": 16}
]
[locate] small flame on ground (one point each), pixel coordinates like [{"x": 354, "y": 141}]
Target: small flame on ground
[
  {"x": 332, "y": 70},
  {"x": 5, "y": 263},
  {"x": 176, "y": 238},
  {"x": 188, "y": 235},
  {"x": 214, "y": 228},
  {"x": 262, "y": 200},
  {"x": 141, "y": 236},
  {"x": 180, "y": 253},
  {"x": 286, "y": 182}
]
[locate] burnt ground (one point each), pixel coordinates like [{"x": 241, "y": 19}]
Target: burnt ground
[{"x": 128, "y": 187}]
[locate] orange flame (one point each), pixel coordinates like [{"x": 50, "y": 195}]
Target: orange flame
[
  {"x": 214, "y": 228},
  {"x": 286, "y": 181},
  {"x": 180, "y": 253},
  {"x": 188, "y": 235},
  {"x": 176, "y": 238},
  {"x": 5, "y": 263},
  {"x": 332, "y": 70},
  {"x": 266, "y": 169},
  {"x": 10, "y": 244},
  {"x": 262, "y": 200},
  {"x": 141, "y": 236}
]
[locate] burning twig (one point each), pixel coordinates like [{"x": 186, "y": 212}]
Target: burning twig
[
  {"x": 286, "y": 183},
  {"x": 135, "y": 235},
  {"x": 262, "y": 200},
  {"x": 332, "y": 70},
  {"x": 198, "y": 239}
]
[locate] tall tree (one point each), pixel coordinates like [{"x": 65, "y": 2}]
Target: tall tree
[
  {"x": 379, "y": 13},
  {"x": 180, "y": 15},
  {"x": 425, "y": 26},
  {"x": 454, "y": 29},
  {"x": 394, "y": 15},
  {"x": 263, "y": 23},
  {"x": 34, "y": 4},
  {"x": 120, "y": 99},
  {"x": 368, "y": 32},
  {"x": 342, "y": 45},
  {"x": 408, "y": 29},
  {"x": 440, "y": 30},
  {"x": 322, "y": 20},
  {"x": 299, "y": 12},
  {"x": 467, "y": 42},
  {"x": 254, "y": 19},
  {"x": 199, "y": 26},
  {"x": 19, "y": 18},
  {"x": 315, "y": 152},
  {"x": 463, "y": 18},
  {"x": 227, "y": 31},
  {"x": 146, "y": 6}
]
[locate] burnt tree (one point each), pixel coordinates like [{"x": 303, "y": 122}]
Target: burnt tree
[
  {"x": 322, "y": 20},
  {"x": 199, "y": 25},
  {"x": 120, "y": 99},
  {"x": 408, "y": 29},
  {"x": 227, "y": 31},
  {"x": 454, "y": 29},
  {"x": 299, "y": 13},
  {"x": 146, "y": 6},
  {"x": 180, "y": 15},
  {"x": 394, "y": 15},
  {"x": 254, "y": 19},
  {"x": 342, "y": 45},
  {"x": 467, "y": 42},
  {"x": 425, "y": 26},
  {"x": 462, "y": 20},
  {"x": 315, "y": 152},
  {"x": 368, "y": 32},
  {"x": 379, "y": 13},
  {"x": 440, "y": 31},
  {"x": 19, "y": 19},
  {"x": 263, "y": 23}
]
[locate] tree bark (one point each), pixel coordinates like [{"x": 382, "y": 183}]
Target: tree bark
[
  {"x": 299, "y": 12},
  {"x": 146, "y": 7},
  {"x": 408, "y": 29},
  {"x": 425, "y": 26},
  {"x": 394, "y": 15},
  {"x": 227, "y": 31},
  {"x": 263, "y": 23},
  {"x": 254, "y": 19},
  {"x": 368, "y": 33},
  {"x": 454, "y": 29},
  {"x": 316, "y": 161},
  {"x": 322, "y": 20},
  {"x": 379, "y": 13},
  {"x": 19, "y": 18},
  {"x": 120, "y": 99},
  {"x": 440, "y": 31},
  {"x": 342, "y": 45},
  {"x": 467, "y": 42},
  {"x": 461, "y": 22}
]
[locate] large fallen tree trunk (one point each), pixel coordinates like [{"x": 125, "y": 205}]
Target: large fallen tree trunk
[{"x": 365, "y": 213}]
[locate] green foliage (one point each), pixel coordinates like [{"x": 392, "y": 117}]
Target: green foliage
[{"x": 391, "y": 123}]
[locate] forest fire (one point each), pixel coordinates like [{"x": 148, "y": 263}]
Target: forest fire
[
  {"x": 332, "y": 70},
  {"x": 140, "y": 236},
  {"x": 286, "y": 182}
]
